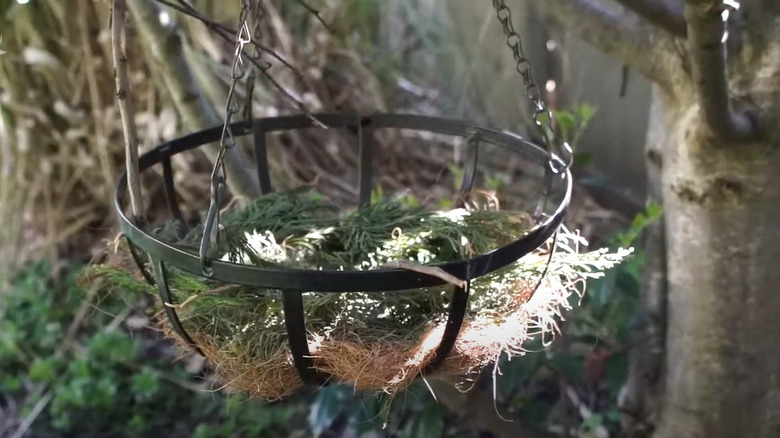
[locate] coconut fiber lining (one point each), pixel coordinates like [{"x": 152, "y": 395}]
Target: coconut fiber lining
[{"x": 377, "y": 341}]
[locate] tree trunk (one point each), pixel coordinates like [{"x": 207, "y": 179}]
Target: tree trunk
[
  {"x": 639, "y": 397},
  {"x": 722, "y": 204},
  {"x": 721, "y": 191}
]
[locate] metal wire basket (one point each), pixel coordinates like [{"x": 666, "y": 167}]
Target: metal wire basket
[{"x": 295, "y": 282}]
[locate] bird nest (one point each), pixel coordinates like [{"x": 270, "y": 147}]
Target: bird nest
[{"x": 376, "y": 341}]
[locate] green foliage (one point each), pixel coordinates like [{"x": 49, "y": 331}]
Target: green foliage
[
  {"x": 103, "y": 386},
  {"x": 591, "y": 357},
  {"x": 571, "y": 124},
  {"x": 652, "y": 214},
  {"x": 98, "y": 382},
  {"x": 325, "y": 408}
]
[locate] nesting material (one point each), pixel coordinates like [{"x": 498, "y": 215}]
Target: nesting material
[{"x": 375, "y": 341}]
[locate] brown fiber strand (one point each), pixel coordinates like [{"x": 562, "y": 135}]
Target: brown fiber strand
[{"x": 376, "y": 363}]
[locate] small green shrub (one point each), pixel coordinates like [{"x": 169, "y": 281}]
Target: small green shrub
[{"x": 97, "y": 382}]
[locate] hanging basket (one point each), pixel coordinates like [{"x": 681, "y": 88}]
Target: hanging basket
[{"x": 163, "y": 257}]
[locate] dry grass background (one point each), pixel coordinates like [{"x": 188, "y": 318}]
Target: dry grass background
[{"x": 61, "y": 144}]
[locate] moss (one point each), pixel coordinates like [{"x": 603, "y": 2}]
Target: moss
[{"x": 715, "y": 191}]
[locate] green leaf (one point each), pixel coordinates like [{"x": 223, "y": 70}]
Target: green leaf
[
  {"x": 570, "y": 366},
  {"x": 566, "y": 120},
  {"x": 585, "y": 113},
  {"x": 592, "y": 422},
  {"x": 137, "y": 423},
  {"x": 616, "y": 372},
  {"x": 366, "y": 413},
  {"x": 10, "y": 384},
  {"x": 326, "y": 408},
  {"x": 653, "y": 212},
  {"x": 203, "y": 431},
  {"x": 582, "y": 159},
  {"x": 429, "y": 423},
  {"x": 377, "y": 194},
  {"x": 79, "y": 368},
  {"x": 114, "y": 346},
  {"x": 44, "y": 370},
  {"x": 145, "y": 383}
]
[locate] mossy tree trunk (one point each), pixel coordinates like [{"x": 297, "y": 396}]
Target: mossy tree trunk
[
  {"x": 715, "y": 145},
  {"x": 722, "y": 207}
]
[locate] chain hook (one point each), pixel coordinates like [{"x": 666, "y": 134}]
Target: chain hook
[
  {"x": 552, "y": 142},
  {"x": 227, "y": 141}
]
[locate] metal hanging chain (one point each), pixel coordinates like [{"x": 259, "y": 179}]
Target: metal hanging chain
[
  {"x": 227, "y": 141},
  {"x": 523, "y": 66}
]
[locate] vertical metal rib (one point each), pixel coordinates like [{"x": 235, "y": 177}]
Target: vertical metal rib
[
  {"x": 296, "y": 334},
  {"x": 138, "y": 261},
  {"x": 366, "y": 139},
  {"x": 170, "y": 191},
  {"x": 261, "y": 158},
  {"x": 469, "y": 171},
  {"x": 457, "y": 313},
  {"x": 541, "y": 207},
  {"x": 165, "y": 294}
]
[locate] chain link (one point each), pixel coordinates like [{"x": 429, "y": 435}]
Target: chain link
[
  {"x": 226, "y": 142},
  {"x": 542, "y": 115}
]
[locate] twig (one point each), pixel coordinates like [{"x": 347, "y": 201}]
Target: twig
[
  {"x": 428, "y": 270},
  {"x": 316, "y": 14},
  {"x": 125, "y": 106},
  {"x": 662, "y": 13},
  {"x": 34, "y": 413},
  {"x": 707, "y": 48},
  {"x": 584, "y": 411},
  {"x": 228, "y": 34},
  {"x": 90, "y": 66},
  {"x": 166, "y": 49}
]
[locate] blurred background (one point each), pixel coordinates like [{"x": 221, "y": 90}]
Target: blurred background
[{"x": 67, "y": 364}]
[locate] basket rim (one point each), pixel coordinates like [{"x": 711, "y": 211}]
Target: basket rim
[{"x": 376, "y": 280}]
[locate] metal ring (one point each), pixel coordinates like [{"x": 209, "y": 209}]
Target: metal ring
[{"x": 379, "y": 280}]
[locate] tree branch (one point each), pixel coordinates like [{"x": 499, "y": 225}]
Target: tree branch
[
  {"x": 620, "y": 35},
  {"x": 662, "y": 13},
  {"x": 165, "y": 46},
  {"x": 707, "y": 51},
  {"x": 118, "y": 44}
]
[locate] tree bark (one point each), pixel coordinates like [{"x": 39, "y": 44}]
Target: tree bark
[
  {"x": 622, "y": 35},
  {"x": 722, "y": 352},
  {"x": 639, "y": 396},
  {"x": 721, "y": 195}
]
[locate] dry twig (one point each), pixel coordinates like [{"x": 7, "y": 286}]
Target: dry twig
[{"x": 125, "y": 106}]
